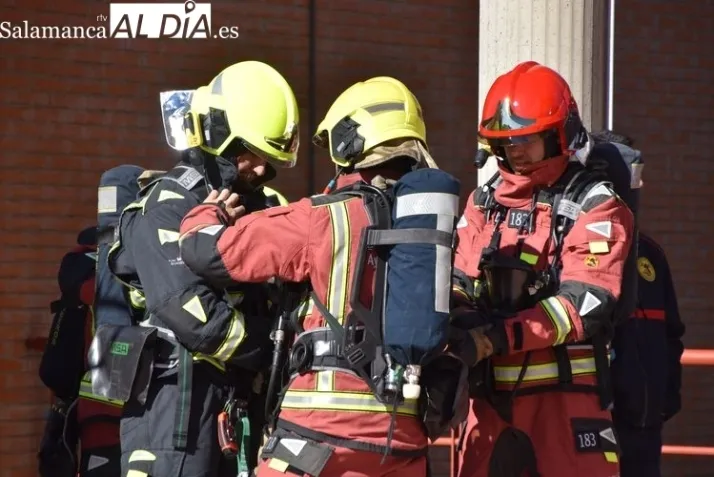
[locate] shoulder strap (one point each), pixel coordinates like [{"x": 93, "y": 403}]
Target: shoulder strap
[
  {"x": 484, "y": 196},
  {"x": 186, "y": 176},
  {"x": 567, "y": 205}
]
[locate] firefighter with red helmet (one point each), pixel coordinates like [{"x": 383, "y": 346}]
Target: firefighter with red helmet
[
  {"x": 330, "y": 422},
  {"x": 538, "y": 275}
]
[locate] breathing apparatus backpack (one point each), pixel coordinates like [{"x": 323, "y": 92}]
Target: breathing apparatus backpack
[
  {"x": 115, "y": 306},
  {"x": 62, "y": 364},
  {"x": 620, "y": 166},
  {"x": 389, "y": 341}
]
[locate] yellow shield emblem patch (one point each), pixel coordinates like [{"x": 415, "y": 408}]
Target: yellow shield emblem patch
[{"x": 646, "y": 269}]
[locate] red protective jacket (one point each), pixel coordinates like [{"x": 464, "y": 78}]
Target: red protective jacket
[
  {"x": 593, "y": 257},
  {"x": 313, "y": 240}
]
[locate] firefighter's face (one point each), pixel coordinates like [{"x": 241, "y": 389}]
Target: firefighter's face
[
  {"x": 250, "y": 166},
  {"x": 523, "y": 156}
]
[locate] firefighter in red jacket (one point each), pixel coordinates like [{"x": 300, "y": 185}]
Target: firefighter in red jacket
[
  {"x": 538, "y": 399},
  {"x": 329, "y": 420}
]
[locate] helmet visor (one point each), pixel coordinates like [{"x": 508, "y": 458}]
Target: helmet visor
[
  {"x": 504, "y": 142},
  {"x": 174, "y": 108},
  {"x": 238, "y": 146},
  {"x": 505, "y": 119}
]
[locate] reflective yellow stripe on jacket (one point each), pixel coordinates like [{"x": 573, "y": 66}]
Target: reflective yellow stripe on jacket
[
  {"x": 325, "y": 397},
  {"x": 542, "y": 372}
]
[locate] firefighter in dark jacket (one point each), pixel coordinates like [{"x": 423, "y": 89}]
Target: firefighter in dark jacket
[
  {"x": 647, "y": 374},
  {"x": 646, "y": 370},
  {"x": 210, "y": 344}
]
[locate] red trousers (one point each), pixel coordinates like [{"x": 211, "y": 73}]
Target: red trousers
[
  {"x": 351, "y": 463},
  {"x": 551, "y": 435}
]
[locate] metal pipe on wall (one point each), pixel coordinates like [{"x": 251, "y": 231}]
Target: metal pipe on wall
[
  {"x": 312, "y": 100},
  {"x": 609, "y": 107}
]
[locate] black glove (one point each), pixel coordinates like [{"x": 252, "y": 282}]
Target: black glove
[
  {"x": 468, "y": 317},
  {"x": 57, "y": 457},
  {"x": 475, "y": 335}
]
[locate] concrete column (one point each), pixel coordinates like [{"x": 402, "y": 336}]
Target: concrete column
[{"x": 569, "y": 36}]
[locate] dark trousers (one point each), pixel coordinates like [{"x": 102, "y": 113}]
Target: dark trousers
[
  {"x": 147, "y": 431},
  {"x": 641, "y": 450}
]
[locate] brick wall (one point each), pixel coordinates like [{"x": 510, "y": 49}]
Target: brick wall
[
  {"x": 75, "y": 108},
  {"x": 664, "y": 71}
]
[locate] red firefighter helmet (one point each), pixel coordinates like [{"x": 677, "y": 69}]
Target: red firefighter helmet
[{"x": 528, "y": 102}]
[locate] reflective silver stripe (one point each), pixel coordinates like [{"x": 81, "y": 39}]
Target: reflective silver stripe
[
  {"x": 600, "y": 189},
  {"x": 341, "y": 401},
  {"x": 161, "y": 330},
  {"x": 325, "y": 380},
  {"x": 559, "y": 317},
  {"x": 446, "y": 208},
  {"x": 427, "y": 203},
  {"x": 337, "y": 288},
  {"x": 541, "y": 372},
  {"x": 337, "y": 291}
]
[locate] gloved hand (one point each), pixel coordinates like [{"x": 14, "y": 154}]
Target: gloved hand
[
  {"x": 467, "y": 317},
  {"x": 54, "y": 457},
  {"x": 471, "y": 346}
]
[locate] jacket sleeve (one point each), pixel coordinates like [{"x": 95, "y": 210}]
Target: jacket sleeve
[
  {"x": 201, "y": 319},
  {"x": 593, "y": 258},
  {"x": 257, "y": 247},
  {"x": 469, "y": 226},
  {"x": 675, "y": 348}
]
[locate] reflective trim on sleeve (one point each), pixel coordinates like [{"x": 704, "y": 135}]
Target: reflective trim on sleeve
[
  {"x": 233, "y": 339},
  {"x": 559, "y": 316}
]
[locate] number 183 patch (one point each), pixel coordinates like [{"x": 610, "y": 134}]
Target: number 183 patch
[{"x": 595, "y": 435}]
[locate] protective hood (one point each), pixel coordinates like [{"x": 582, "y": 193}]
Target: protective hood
[
  {"x": 400, "y": 148},
  {"x": 517, "y": 190}
]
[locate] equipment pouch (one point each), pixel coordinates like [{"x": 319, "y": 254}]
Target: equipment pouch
[
  {"x": 287, "y": 450},
  {"x": 121, "y": 361},
  {"x": 62, "y": 364},
  {"x": 447, "y": 395}
]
